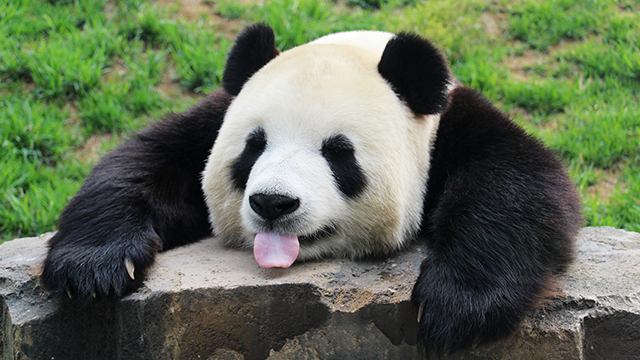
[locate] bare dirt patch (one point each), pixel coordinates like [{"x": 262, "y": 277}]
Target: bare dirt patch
[
  {"x": 491, "y": 22},
  {"x": 190, "y": 9},
  {"x": 170, "y": 87},
  {"x": 116, "y": 71},
  {"x": 193, "y": 10},
  {"x": 607, "y": 185},
  {"x": 520, "y": 66},
  {"x": 91, "y": 150}
]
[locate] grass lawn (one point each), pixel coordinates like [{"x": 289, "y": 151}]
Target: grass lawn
[{"x": 79, "y": 76}]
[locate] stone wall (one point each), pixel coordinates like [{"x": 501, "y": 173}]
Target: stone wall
[{"x": 205, "y": 302}]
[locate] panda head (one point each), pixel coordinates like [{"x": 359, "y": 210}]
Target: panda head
[{"x": 324, "y": 150}]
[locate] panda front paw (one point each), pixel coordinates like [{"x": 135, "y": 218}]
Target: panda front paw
[
  {"x": 457, "y": 311},
  {"x": 89, "y": 272}
]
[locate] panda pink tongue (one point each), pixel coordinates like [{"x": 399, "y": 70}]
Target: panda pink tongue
[{"x": 275, "y": 250}]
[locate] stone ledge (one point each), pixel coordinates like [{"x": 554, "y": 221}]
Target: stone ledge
[{"x": 203, "y": 301}]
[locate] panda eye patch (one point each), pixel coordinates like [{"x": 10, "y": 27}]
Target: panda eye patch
[
  {"x": 339, "y": 152},
  {"x": 337, "y": 145},
  {"x": 255, "y": 144},
  {"x": 257, "y": 140}
]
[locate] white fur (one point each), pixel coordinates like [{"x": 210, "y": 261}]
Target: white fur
[{"x": 300, "y": 98}]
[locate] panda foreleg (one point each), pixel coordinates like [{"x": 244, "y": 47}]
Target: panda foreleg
[
  {"x": 141, "y": 198},
  {"x": 486, "y": 270},
  {"x": 104, "y": 243},
  {"x": 501, "y": 217}
]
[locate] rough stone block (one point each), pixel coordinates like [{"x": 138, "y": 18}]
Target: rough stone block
[{"x": 206, "y": 302}]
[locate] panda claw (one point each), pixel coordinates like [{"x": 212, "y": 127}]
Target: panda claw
[
  {"x": 420, "y": 311},
  {"x": 130, "y": 268},
  {"x": 105, "y": 288},
  {"x": 69, "y": 293}
]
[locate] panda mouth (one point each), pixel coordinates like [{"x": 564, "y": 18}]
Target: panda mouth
[
  {"x": 325, "y": 232},
  {"x": 306, "y": 239}
]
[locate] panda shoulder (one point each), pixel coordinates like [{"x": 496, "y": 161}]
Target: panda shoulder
[{"x": 471, "y": 125}]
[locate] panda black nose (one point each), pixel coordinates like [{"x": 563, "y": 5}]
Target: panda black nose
[{"x": 272, "y": 207}]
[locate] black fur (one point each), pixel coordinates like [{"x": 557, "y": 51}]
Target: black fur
[
  {"x": 139, "y": 199},
  {"x": 253, "y": 49},
  {"x": 417, "y": 72},
  {"x": 500, "y": 216},
  {"x": 340, "y": 154},
  {"x": 241, "y": 167}
]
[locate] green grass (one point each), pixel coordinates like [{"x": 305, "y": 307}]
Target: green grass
[{"x": 78, "y": 76}]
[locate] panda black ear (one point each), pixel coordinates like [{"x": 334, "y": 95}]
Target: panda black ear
[
  {"x": 417, "y": 72},
  {"x": 254, "y": 48}
]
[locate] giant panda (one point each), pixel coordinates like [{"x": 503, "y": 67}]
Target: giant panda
[{"x": 353, "y": 145}]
